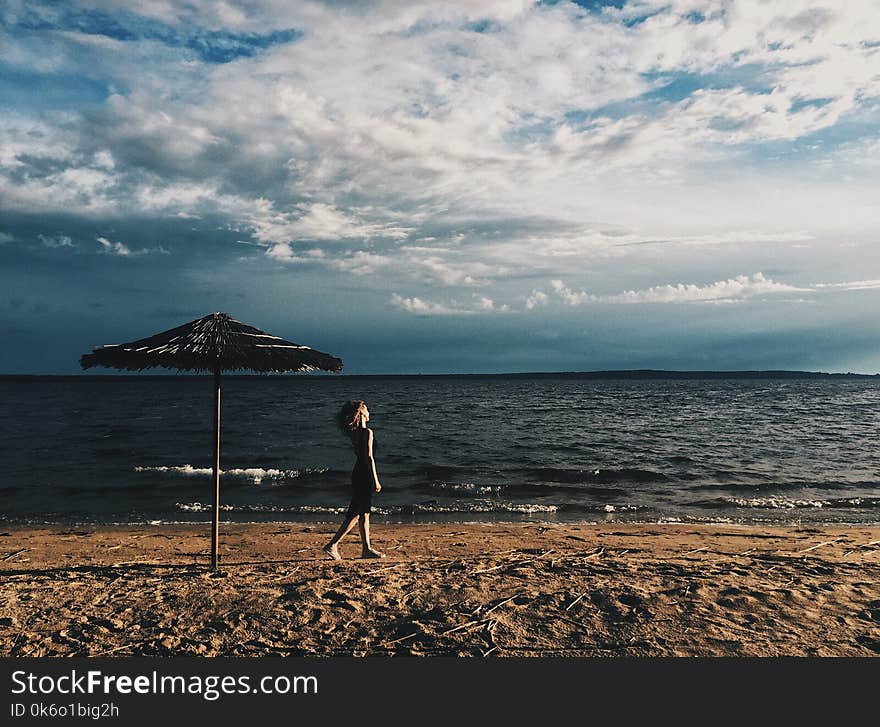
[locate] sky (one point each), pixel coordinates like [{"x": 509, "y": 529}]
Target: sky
[{"x": 422, "y": 187}]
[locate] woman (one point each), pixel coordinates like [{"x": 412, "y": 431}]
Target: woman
[{"x": 352, "y": 419}]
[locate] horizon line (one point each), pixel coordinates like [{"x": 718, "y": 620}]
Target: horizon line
[{"x": 596, "y": 373}]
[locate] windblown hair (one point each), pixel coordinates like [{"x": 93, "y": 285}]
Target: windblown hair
[{"x": 348, "y": 415}]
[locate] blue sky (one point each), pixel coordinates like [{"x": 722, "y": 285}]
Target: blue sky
[{"x": 446, "y": 187}]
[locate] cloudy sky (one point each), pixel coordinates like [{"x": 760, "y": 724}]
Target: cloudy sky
[{"x": 446, "y": 187}]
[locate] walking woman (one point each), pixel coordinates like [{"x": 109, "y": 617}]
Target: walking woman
[{"x": 352, "y": 419}]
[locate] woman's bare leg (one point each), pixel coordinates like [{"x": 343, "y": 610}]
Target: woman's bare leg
[
  {"x": 364, "y": 525},
  {"x": 331, "y": 548}
]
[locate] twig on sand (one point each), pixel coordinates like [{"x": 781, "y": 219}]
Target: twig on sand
[
  {"x": 813, "y": 547},
  {"x": 576, "y": 600},
  {"x": 494, "y": 648},
  {"x": 746, "y": 552},
  {"x": 501, "y": 603},
  {"x": 489, "y": 570},
  {"x": 402, "y": 638},
  {"x": 286, "y": 574},
  {"x": 696, "y": 550},
  {"x": 478, "y": 622},
  {"x": 118, "y": 648},
  {"x": 17, "y": 552},
  {"x": 381, "y": 570},
  {"x": 515, "y": 562},
  {"x": 862, "y": 545}
]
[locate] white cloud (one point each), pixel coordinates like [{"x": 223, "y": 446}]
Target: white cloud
[
  {"x": 387, "y": 123},
  {"x": 732, "y": 289},
  {"x": 420, "y": 306},
  {"x": 55, "y": 240},
  {"x": 739, "y": 288},
  {"x": 486, "y": 304},
  {"x": 852, "y": 285},
  {"x": 114, "y": 248},
  {"x": 569, "y": 296},
  {"x": 536, "y": 298},
  {"x": 425, "y": 307},
  {"x": 119, "y": 248}
]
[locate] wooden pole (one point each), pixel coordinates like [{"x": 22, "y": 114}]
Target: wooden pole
[{"x": 215, "y": 524}]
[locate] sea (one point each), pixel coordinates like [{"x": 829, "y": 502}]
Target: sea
[{"x": 643, "y": 447}]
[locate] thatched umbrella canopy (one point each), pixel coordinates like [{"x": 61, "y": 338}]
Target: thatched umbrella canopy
[{"x": 215, "y": 343}]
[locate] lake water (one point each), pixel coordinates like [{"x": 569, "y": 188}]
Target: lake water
[{"x": 138, "y": 449}]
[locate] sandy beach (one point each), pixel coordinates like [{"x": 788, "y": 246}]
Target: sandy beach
[{"x": 491, "y": 590}]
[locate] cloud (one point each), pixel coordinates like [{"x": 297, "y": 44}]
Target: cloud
[
  {"x": 284, "y": 252},
  {"x": 466, "y": 151},
  {"x": 569, "y": 296},
  {"x": 735, "y": 289},
  {"x": 486, "y": 304},
  {"x": 122, "y": 250},
  {"x": 536, "y": 298},
  {"x": 852, "y": 285},
  {"x": 114, "y": 248},
  {"x": 423, "y": 307},
  {"x": 420, "y": 306},
  {"x": 56, "y": 240}
]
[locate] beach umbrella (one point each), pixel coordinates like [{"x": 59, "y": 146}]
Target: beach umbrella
[{"x": 215, "y": 343}]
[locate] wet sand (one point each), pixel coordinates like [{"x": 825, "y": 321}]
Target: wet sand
[{"x": 473, "y": 590}]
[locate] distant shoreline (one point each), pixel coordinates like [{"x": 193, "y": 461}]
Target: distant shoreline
[{"x": 629, "y": 374}]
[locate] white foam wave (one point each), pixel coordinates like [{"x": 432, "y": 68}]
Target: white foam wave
[
  {"x": 204, "y": 507},
  {"x": 778, "y": 503},
  {"x": 468, "y": 487},
  {"x": 393, "y": 510},
  {"x": 254, "y": 474}
]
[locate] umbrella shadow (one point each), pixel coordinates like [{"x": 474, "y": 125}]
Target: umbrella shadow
[
  {"x": 176, "y": 569},
  {"x": 108, "y": 571}
]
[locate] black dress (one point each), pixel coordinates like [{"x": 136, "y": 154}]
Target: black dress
[{"x": 362, "y": 485}]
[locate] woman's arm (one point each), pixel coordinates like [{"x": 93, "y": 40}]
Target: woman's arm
[{"x": 372, "y": 461}]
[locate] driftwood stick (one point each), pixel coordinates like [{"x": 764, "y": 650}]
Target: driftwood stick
[
  {"x": 576, "y": 600},
  {"x": 17, "y": 552},
  {"x": 696, "y": 550},
  {"x": 402, "y": 638},
  {"x": 118, "y": 648},
  {"x": 827, "y": 542},
  {"x": 515, "y": 562},
  {"x": 468, "y": 624},
  {"x": 500, "y": 604},
  {"x": 382, "y": 570}
]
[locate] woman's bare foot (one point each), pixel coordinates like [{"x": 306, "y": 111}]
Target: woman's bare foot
[
  {"x": 332, "y": 551},
  {"x": 372, "y": 553}
]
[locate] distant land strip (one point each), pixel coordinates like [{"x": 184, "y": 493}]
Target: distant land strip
[{"x": 630, "y": 374}]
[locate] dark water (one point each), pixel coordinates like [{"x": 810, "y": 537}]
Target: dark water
[{"x": 475, "y": 449}]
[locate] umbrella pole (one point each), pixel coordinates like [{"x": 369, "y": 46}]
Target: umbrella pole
[{"x": 215, "y": 524}]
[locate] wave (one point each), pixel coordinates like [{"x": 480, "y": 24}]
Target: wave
[
  {"x": 789, "y": 485},
  {"x": 254, "y": 474},
  {"x": 468, "y": 488},
  {"x": 414, "y": 509},
  {"x": 258, "y": 507},
  {"x": 782, "y": 503},
  {"x": 596, "y": 474}
]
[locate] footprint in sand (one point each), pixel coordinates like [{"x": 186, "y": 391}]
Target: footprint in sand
[
  {"x": 340, "y": 600},
  {"x": 869, "y": 642}
]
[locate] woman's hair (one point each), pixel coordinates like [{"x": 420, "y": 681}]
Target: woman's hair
[{"x": 348, "y": 415}]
